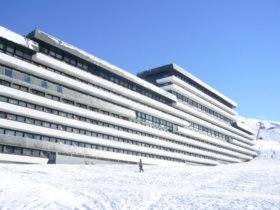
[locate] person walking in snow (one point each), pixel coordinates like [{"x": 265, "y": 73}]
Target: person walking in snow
[{"x": 140, "y": 166}]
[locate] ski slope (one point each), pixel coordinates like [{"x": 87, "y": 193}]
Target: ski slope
[{"x": 251, "y": 185}]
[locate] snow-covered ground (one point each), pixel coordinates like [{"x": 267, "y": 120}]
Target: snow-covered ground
[{"x": 251, "y": 185}]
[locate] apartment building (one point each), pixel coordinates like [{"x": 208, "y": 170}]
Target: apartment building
[{"x": 60, "y": 104}]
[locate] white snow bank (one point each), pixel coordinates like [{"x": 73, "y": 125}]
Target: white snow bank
[
  {"x": 251, "y": 185},
  {"x": 268, "y": 149}
]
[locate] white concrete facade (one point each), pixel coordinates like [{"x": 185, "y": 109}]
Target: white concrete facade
[{"x": 56, "y": 109}]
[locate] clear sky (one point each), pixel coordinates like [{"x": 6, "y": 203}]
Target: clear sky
[{"x": 232, "y": 45}]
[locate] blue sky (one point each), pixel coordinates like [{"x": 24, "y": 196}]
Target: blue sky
[{"x": 232, "y": 45}]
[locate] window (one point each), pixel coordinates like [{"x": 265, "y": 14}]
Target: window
[
  {"x": 22, "y": 103},
  {"x": 30, "y": 121},
  {"x": 60, "y": 141},
  {"x": 20, "y": 119},
  {"x": 44, "y": 84},
  {"x": 46, "y": 124},
  {"x": 47, "y": 110},
  {"x": 85, "y": 67},
  {"x": 75, "y": 130},
  {"x": 66, "y": 59},
  {"x": 3, "y": 98},
  {"x": 52, "y": 53},
  {"x": 26, "y": 152},
  {"x": 17, "y": 151},
  {"x": 58, "y": 55},
  {"x": 26, "y": 78},
  {"x": 68, "y": 101},
  {"x": 16, "y": 86},
  {"x": 59, "y": 88},
  {"x": 36, "y": 92},
  {"x": 45, "y": 138},
  {"x": 79, "y": 64},
  {"x": 53, "y": 126},
  {"x": 55, "y": 98},
  {"x": 52, "y": 139},
  {"x": 38, "y": 123},
  {"x": 49, "y": 96},
  {"x": 81, "y": 105},
  {"x": 3, "y": 115},
  {"x": 1, "y": 46},
  {"x": 35, "y": 153},
  {"x": 2, "y": 131},
  {"x": 31, "y": 106},
  {"x": 39, "y": 108},
  {"x": 11, "y": 117},
  {"x": 68, "y": 142},
  {"x": 8, "y": 72},
  {"x": 29, "y": 135},
  {"x": 19, "y": 53},
  {"x": 26, "y": 56},
  {"x": 44, "y": 50},
  {"x": 61, "y": 127},
  {"x": 8, "y": 149},
  {"x": 10, "y": 132},
  {"x": 73, "y": 62},
  {"x": 10, "y": 49}
]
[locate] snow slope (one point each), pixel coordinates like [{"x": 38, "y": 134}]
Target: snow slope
[
  {"x": 269, "y": 137},
  {"x": 251, "y": 185},
  {"x": 270, "y": 131}
]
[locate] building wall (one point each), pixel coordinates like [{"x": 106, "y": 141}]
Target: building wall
[{"x": 60, "y": 107}]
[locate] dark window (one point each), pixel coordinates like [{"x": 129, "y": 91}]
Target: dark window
[
  {"x": 58, "y": 55},
  {"x": 73, "y": 62},
  {"x": 3, "y": 115},
  {"x": 30, "y": 121},
  {"x": 20, "y": 119},
  {"x": 8, "y": 72},
  {"x": 35, "y": 153},
  {"x": 3, "y": 82},
  {"x": 27, "y": 56},
  {"x": 26, "y": 152},
  {"x": 17, "y": 151},
  {"x": 2, "y": 131},
  {"x": 68, "y": 101},
  {"x": 10, "y": 132},
  {"x": 22, "y": 103},
  {"x": 19, "y": 53},
  {"x": 31, "y": 106},
  {"x": 3, "y": 98},
  {"x": 29, "y": 135},
  {"x": 79, "y": 64},
  {"x": 1, "y": 46},
  {"x": 59, "y": 88},
  {"x": 38, "y": 122},
  {"x": 8, "y": 149},
  {"x": 44, "y": 84},
  {"x": 10, "y": 49},
  {"x": 52, "y": 53},
  {"x": 26, "y": 78},
  {"x": 36, "y": 92},
  {"x": 11, "y": 117},
  {"x": 66, "y": 59},
  {"x": 45, "y": 50}
]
